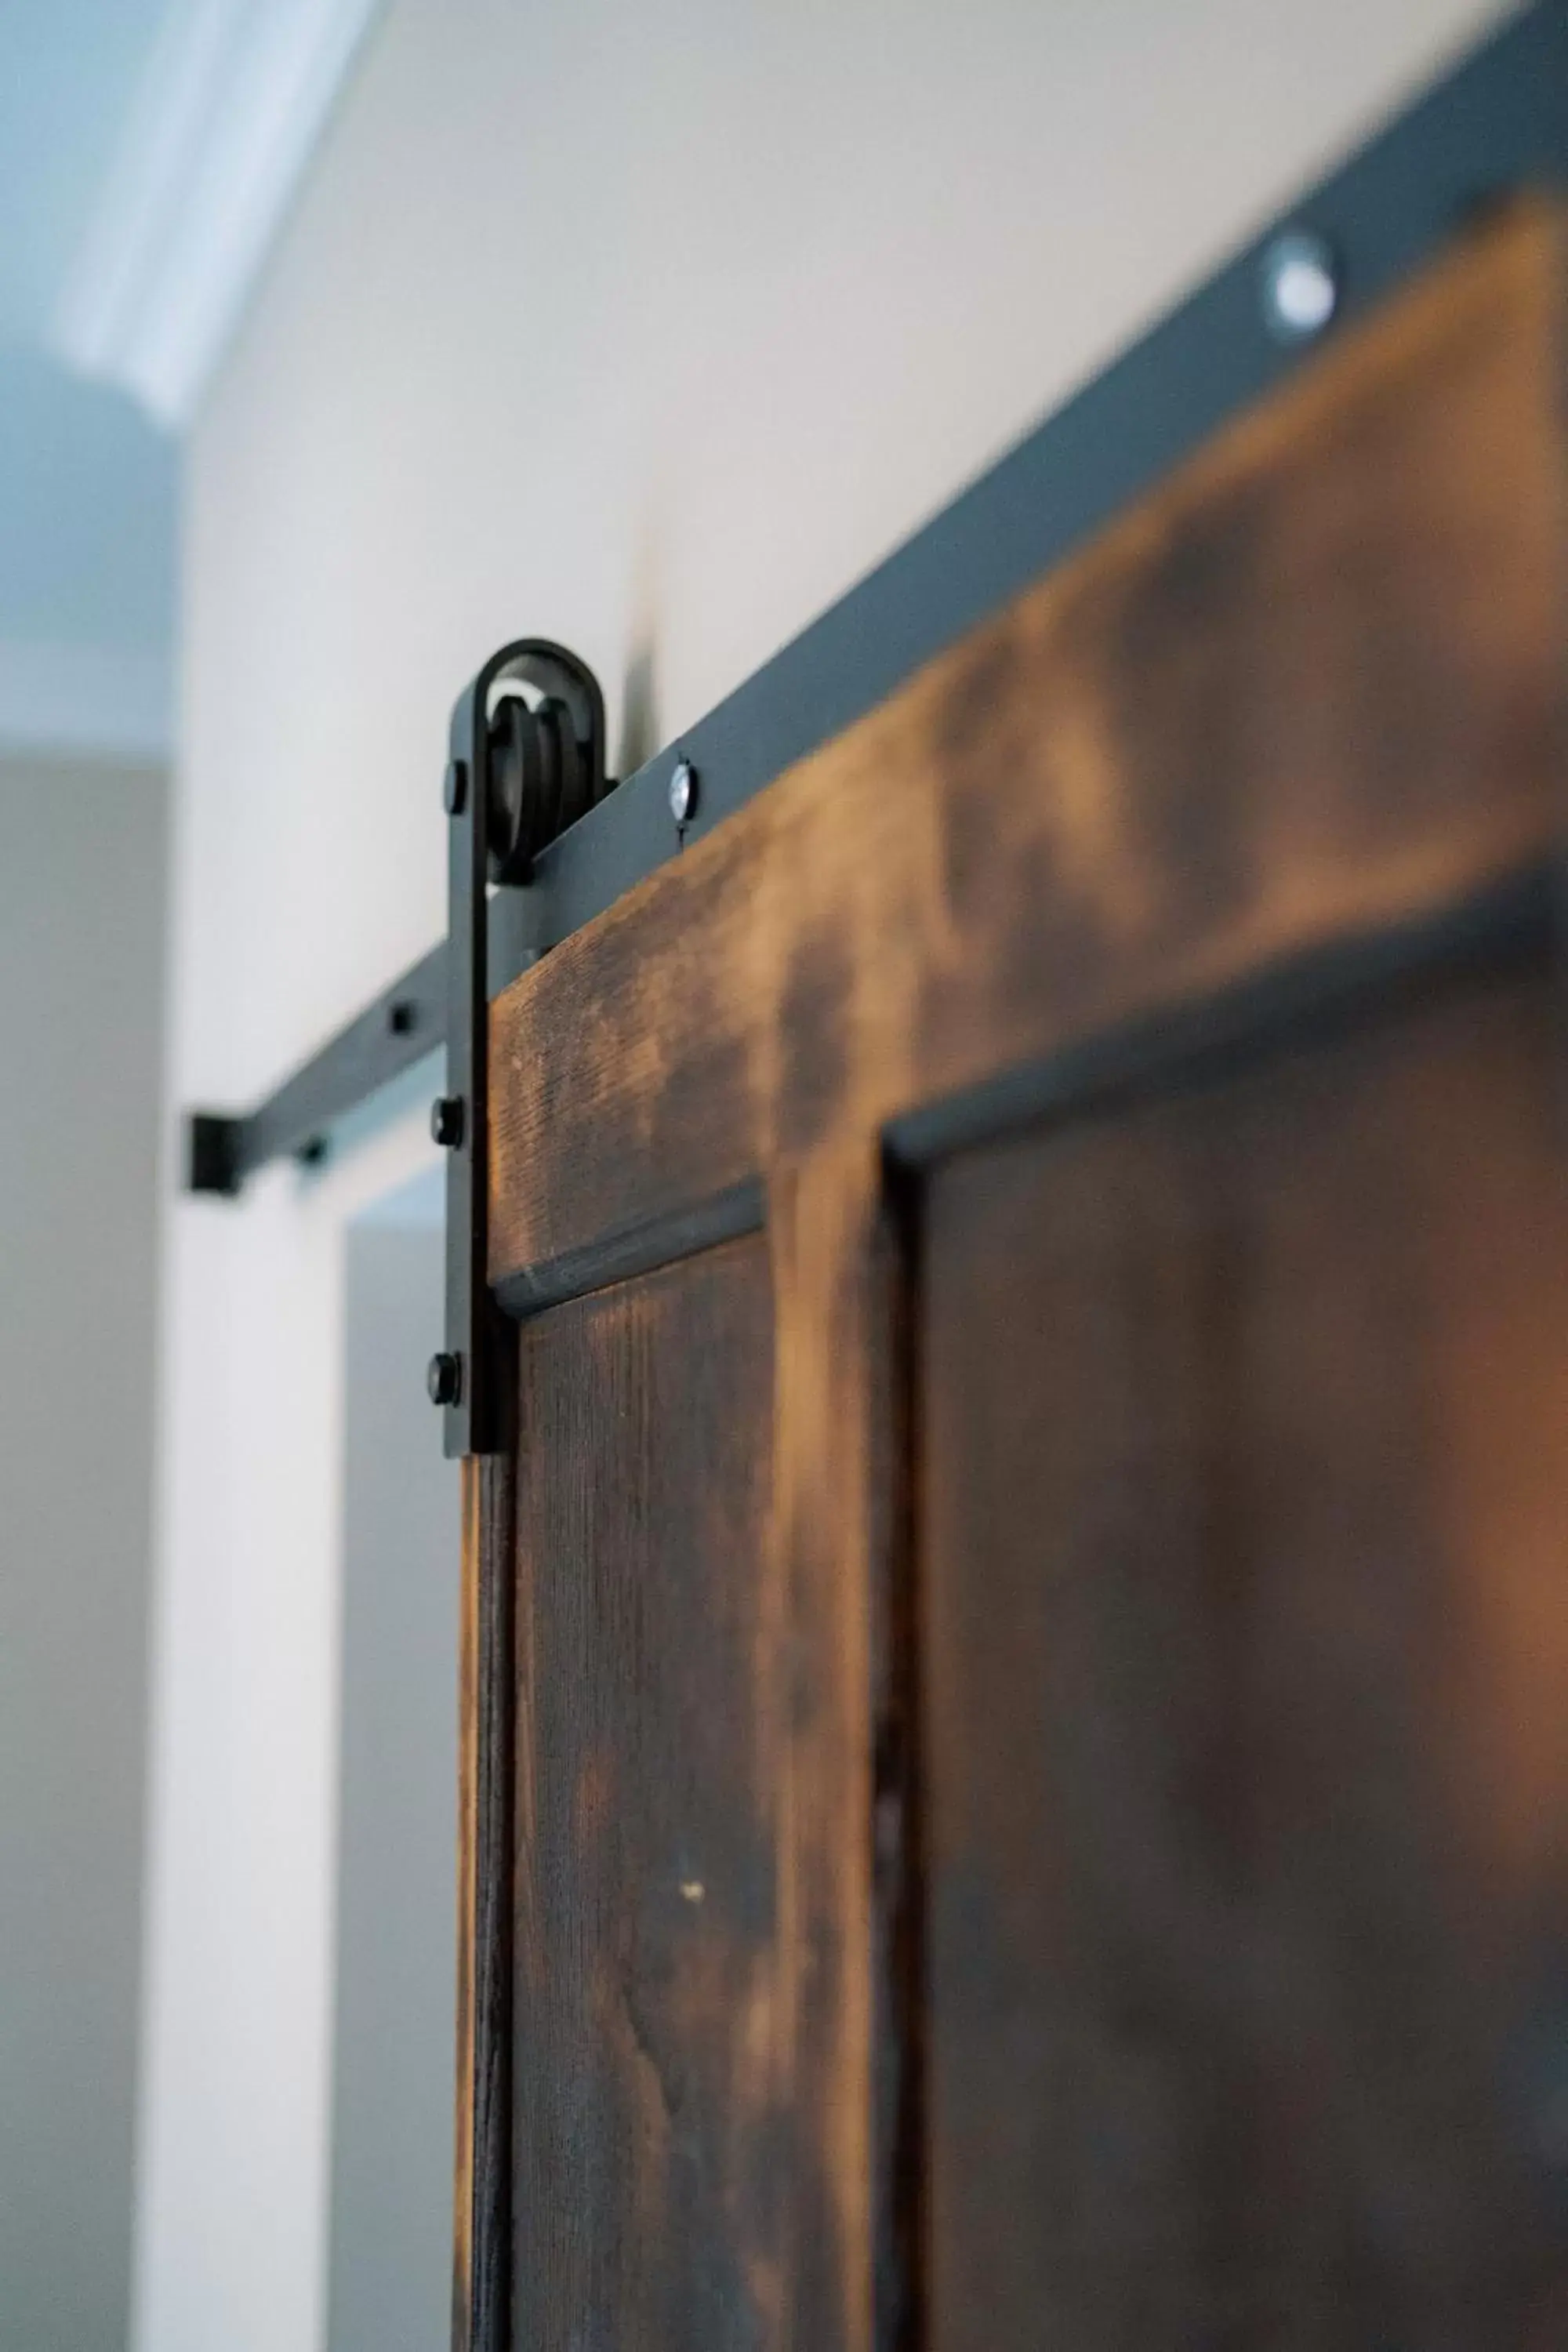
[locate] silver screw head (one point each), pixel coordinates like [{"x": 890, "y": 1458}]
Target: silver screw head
[
  {"x": 1300, "y": 286},
  {"x": 683, "y": 791}
]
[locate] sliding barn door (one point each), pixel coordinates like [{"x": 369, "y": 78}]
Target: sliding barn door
[{"x": 1018, "y": 1677}]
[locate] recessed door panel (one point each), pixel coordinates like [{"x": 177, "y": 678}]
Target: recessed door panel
[{"x": 1245, "y": 1643}]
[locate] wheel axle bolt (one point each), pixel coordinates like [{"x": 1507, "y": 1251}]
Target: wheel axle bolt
[{"x": 445, "y": 1379}]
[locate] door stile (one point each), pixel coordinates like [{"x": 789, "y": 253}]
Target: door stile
[
  {"x": 482, "y": 2201},
  {"x": 834, "y": 1630}
]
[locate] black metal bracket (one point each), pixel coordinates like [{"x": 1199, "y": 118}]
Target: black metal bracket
[
  {"x": 212, "y": 1153},
  {"x": 527, "y": 759}
]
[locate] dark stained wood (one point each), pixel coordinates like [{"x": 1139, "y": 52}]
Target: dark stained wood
[
  {"x": 646, "y": 1871},
  {"x": 885, "y": 1263},
  {"x": 1246, "y": 1540},
  {"x": 626, "y": 1251},
  {"x": 1040, "y": 1797},
  {"x": 1310, "y": 686},
  {"x": 832, "y": 1530},
  {"x": 481, "y": 2258},
  {"x": 693, "y": 1861}
]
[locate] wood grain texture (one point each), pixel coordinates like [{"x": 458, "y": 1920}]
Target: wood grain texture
[
  {"x": 651, "y": 2165},
  {"x": 1313, "y": 684},
  {"x": 1225, "y": 1716},
  {"x": 482, "y": 2216},
  {"x": 692, "y": 2095},
  {"x": 1246, "y": 1543},
  {"x": 830, "y": 1533}
]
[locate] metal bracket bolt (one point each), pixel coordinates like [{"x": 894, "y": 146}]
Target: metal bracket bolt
[
  {"x": 447, "y": 1121},
  {"x": 683, "y": 792},
  {"x": 1300, "y": 286}
]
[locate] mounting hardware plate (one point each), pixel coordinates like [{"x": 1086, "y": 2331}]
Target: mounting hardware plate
[{"x": 527, "y": 758}]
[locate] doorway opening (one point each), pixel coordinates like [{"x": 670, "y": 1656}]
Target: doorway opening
[{"x": 389, "y": 2235}]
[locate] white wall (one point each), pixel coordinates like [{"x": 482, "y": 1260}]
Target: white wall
[
  {"x": 81, "y": 938},
  {"x": 649, "y": 327}
]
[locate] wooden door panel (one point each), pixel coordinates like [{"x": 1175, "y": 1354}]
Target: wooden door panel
[
  {"x": 652, "y": 2160},
  {"x": 1245, "y": 1641},
  {"x": 1031, "y": 1671},
  {"x": 684, "y": 2033}
]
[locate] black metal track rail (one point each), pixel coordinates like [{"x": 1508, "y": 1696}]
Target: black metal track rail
[{"x": 1495, "y": 125}]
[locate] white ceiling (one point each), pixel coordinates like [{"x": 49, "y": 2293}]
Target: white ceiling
[{"x": 148, "y": 149}]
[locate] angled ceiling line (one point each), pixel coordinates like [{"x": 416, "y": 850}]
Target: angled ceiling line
[{"x": 229, "y": 108}]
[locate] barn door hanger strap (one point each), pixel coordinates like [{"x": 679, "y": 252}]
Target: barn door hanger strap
[{"x": 527, "y": 759}]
